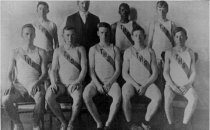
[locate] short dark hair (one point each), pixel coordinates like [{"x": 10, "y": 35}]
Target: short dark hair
[
  {"x": 125, "y": 5},
  {"x": 138, "y": 28},
  {"x": 104, "y": 24},
  {"x": 43, "y": 3},
  {"x": 162, "y": 4},
  {"x": 29, "y": 25},
  {"x": 69, "y": 28},
  {"x": 179, "y": 29}
]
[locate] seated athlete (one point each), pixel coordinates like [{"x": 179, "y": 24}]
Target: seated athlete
[
  {"x": 104, "y": 59},
  {"x": 140, "y": 72},
  {"x": 27, "y": 73},
  {"x": 68, "y": 72},
  {"x": 179, "y": 73}
]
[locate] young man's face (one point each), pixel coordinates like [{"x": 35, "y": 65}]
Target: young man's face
[
  {"x": 104, "y": 34},
  {"x": 124, "y": 11},
  {"x": 28, "y": 34},
  {"x": 162, "y": 11},
  {"x": 69, "y": 36},
  {"x": 138, "y": 37},
  {"x": 180, "y": 38},
  {"x": 83, "y": 5},
  {"x": 42, "y": 10}
]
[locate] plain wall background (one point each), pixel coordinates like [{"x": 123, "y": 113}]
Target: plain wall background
[{"x": 193, "y": 15}]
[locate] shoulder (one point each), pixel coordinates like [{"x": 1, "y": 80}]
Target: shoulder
[
  {"x": 114, "y": 25},
  {"x": 16, "y": 51},
  {"x": 93, "y": 16},
  {"x": 127, "y": 52},
  {"x": 81, "y": 48},
  {"x": 73, "y": 15},
  {"x": 53, "y": 25},
  {"x": 169, "y": 52},
  {"x": 93, "y": 48},
  {"x": 191, "y": 52}
]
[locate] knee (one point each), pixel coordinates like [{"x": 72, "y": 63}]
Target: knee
[
  {"x": 49, "y": 97},
  {"x": 117, "y": 99},
  {"x": 125, "y": 93},
  {"x": 193, "y": 99},
  {"x": 86, "y": 96},
  {"x": 77, "y": 102},
  {"x": 6, "y": 100}
]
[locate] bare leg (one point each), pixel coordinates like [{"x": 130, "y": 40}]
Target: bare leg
[
  {"x": 115, "y": 93},
  {"x": 128, "y": 91},
  {"x": 169, "y": 96},
  {"x": 38, "y": 109},
  {"x": 192, "y": 98},
  {"x": 54, "y": 106},
  {"x": 77, "y": 102},
  {"x": 89, "y": 92},
  {"x": 154, "y": 94},
  {"x": 8, "y": 104}
]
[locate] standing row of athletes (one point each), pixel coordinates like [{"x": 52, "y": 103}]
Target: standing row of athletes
[{"x": 71, "y": 69}]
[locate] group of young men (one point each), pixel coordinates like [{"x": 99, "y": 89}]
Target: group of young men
[{"x": 107, "y": 47}]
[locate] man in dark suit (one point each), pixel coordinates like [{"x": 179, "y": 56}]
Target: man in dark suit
[{"x": 85, "y": 24}]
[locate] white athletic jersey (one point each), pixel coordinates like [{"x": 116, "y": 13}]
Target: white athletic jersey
[
  {"x": 136, "y": 69},
  {"x": 104, "y": 70},
  {"x": 177, "y": 73},
  {"x": 41, "y": 40},
  {"x": 121, "y": 40},
  {"x": 160, "y": 40},
  {"x": 26, "y": 74},
  {"x": 68, "y": 73}
]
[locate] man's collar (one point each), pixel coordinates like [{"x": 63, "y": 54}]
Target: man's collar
[{"x": 83, "y": 13}]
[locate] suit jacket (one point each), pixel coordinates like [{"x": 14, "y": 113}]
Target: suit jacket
[{"x": 86, "y": 33}]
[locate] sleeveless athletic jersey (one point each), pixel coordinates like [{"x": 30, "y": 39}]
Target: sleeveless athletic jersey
[
  {"x": 41, "y": 40},
  {"x": 160, "y": 40},
  {"x": 104, "y": 70},
  {"x": 25, "y": 73},
  {"x": 137, "y": 70},
  {"x": 67, "y": 71},
  {"x": 122, "y": 41},
  {"x": 176, "y": 72}
]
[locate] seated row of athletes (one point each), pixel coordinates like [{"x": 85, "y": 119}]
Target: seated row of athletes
[{"x": 69, "y": 69}]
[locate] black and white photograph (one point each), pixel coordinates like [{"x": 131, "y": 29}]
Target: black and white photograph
[{"x": 104, "y": 65}]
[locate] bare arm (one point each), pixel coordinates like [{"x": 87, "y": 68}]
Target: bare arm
[
  {"x": 154, "y": 75},
  {"x": 12, "y": 65},
  {"x": 43, "y": 67},
  {"x": 125, "y": 70},
  {"x": 55, "y": 66},
  {"x": 83, "y": 65},
  {"x": 55, "y": 36},
  {"x": 92, "y": 66},
  {"x": 151, "y": 33},
  {"x": 193, "y": 74},
  {"x": 117, "y": 67}
]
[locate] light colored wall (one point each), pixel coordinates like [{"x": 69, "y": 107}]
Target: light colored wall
[{"x": 191, "y": 15}]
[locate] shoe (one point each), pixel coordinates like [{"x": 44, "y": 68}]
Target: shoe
[
  {"x": 100, "y": 129},
  {"x": 70, "y": 127},
  {"x": 146, "y": 127},
  {"x": 63, "y": 127},
  {"x": 107, "y": 128}
]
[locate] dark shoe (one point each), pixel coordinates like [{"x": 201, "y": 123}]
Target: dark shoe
[
  {"x": 107, "y": 128},
  {"x": 100, "y": 129},
  {"x": 146, "y": 127}
]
